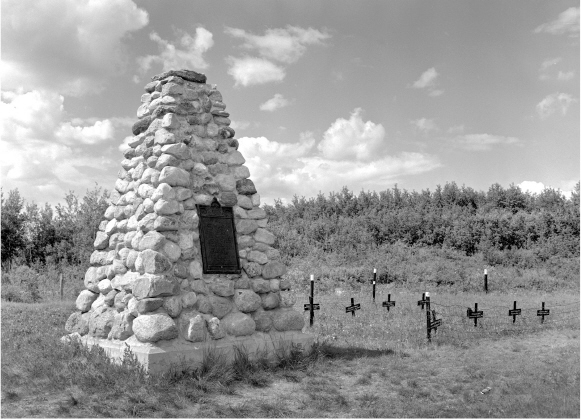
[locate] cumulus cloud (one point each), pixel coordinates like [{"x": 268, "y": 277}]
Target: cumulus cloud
[
  {"x": 353, "y": 139},
  {"x": 483, "y": 142},
  {"x": 350, "y": 153},
  {"x": 566, "y": 187},
  {"x": 424, "y": 125},
  {"x": 284, "y": 45},
  {"x": 428, "y": 81},
  {"x": 277, "y": 102},
  {"x": 44, "y": 153},
  {"x": 566, "y": 23},
  {"x": 189, "y": 56},
  {"x": 69, "y": 46},
  {"x": 250, "y": 70},
  {"x": 531, "y": 186},
  {"x": 554, "y": 103}
]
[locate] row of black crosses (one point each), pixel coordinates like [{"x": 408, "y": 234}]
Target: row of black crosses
[
  {"x": 432, "y": 322},
  {"x": 475, "y": 314}
]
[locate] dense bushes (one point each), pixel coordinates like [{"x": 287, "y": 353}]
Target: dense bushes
[
  {"x": 503, "y": 220},
  {"x": 442, "y": 237}
]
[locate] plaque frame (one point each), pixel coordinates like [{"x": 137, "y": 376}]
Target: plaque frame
[{"x": 215, "y": 211}]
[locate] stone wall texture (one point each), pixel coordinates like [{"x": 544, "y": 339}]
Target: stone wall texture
[{"x": 146, "y": 278}]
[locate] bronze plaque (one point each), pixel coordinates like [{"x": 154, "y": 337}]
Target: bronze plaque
[{"x": 218, "y": 239}]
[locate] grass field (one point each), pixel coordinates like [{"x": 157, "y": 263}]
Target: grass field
[{"x": 373, "y": 364}]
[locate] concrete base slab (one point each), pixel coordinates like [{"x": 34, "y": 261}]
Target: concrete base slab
[{"x": 180, "y": 354}]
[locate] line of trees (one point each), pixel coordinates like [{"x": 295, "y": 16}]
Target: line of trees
[
  {"x": 33, "y": 234},
  {"x": 499, "y": 220}
]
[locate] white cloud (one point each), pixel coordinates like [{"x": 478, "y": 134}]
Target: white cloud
[
  {"x": 566, "y": 187},
  {"x": 566, "y": 23},
  {"x": 43, "y": 153},
  {"x": 483, "y": 142},
  {"x": 351, "y": 153},
  {"x": 553, "y": 103},
  {"x": 427, "y": 79},
  {"x": 424, "y": 125},
  {"x": 277, "y": 102},
  {"x": 239, "y": 125},
  {"x": 172, "y": 57},
  {"x": 353, "y": 139},
  {"x": 436, "y": 92},
  {"x": 70, "y": 46},
  {"x": 250, "y": 70},
  {"x": 563, "y": 76},
  {"x": 284, "y": 45},
  {"x": 531, "y": 186},
  {"x": 550, "y": 62},
  {"x": 546, "y": 72}
]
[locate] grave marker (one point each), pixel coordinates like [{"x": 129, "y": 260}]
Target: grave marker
[
  {"x": 475, "y": 314},
  {"x": 312, "y": 306},
  {"x": 542, "y": 312},
  {"x": 353, "y": 307},
  {"x": 423, "y": 300},
  {"x": 514, "y": 312},
  {"x": 387, "y": 304}
]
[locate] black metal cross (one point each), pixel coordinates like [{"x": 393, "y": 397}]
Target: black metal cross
[
  {"x": 422, "y": 301},
  {"x": 387, "y": 304},
  {"x": 514, "y": 312},
  {"x": 475, "y": 314},
  {"x": 542, "y": 312},
  {"x": 353, "y": 307},
  {"x": 434, "y": 323}
]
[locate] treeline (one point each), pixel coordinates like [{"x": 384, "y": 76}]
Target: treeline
[
  {"x": 459, "y": 218},
  {"x": 500, "y": 220},
  {"x": 42, "y": 235}
]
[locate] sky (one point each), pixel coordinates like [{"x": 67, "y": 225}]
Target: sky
[{"x": 321, "y": 94}]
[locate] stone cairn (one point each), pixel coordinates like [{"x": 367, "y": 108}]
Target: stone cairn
[{"x": 146, "y": 280}]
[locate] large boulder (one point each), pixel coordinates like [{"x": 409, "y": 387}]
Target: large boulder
[
  {"x": 152, "y": 262},
  {"x": 148, "y": 305},
  {"x": 153, "y": 286},
  {"x": 78, "y": 322},
  {"x": 192, "y": 326},
  {"x": 238, "y": 324},
  {"x": 174, "y": 176},
  {"x": 284, "y": 320},
  {"x": 125, "y": 282},
  {"x": 154, "y": 327},
  {"x": 273, "y": 269},
  {"x": 85, "y": 299},
  {"x": 263, "y": 320},
  {"x": 270, "y": 300},
  {"x": 122, "y": 326},
  {"x": 220, "y": 306},
  {"x": 247, "y": 300},
  {"x": 101, "y": 321},
  {"x": 222, "y": 287}
]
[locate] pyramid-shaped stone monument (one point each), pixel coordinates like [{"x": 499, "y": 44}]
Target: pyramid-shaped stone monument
[{"x": 183, "y": 261}]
